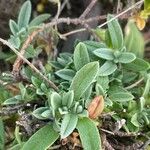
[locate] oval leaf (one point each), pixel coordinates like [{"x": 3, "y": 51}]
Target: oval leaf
[
  {"x": 24, "y": 15},
  {"x": 104, "y": 53},
  {"x": 15, "y": 41},
  {"x": 137, "y": 65},
  {"x": 89, "y": 134},
  {"x": 121, "y": 97},
  {"x": 126, "y": 57},
  {"x": 13, "y": 100},
  {"x": 68, "y": 99},
  {"x": 134, "y": 120},
  {"x": 81, "y": 56},
  {"x": 107, "y": 68},
  {"x": 66, "y": 74},
  {"x": 42, "y": 139},
  {"x": 37, "y": 113},
  {"x": 68, "y": 125},
  {"x": 55, "y": 100},
  {"x": 83, "y": 79},
  {"x": 13, "y": 27},
  {"x": 39, "y": 19},
  {"x": 133, "y": 35},
  {"x": 115, "y": 32}
]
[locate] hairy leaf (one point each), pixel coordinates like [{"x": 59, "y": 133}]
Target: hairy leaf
[
  {"x": 126, "y": 57},
  {"x": 121, "y": 96},
  {"x": 81, "y": 56},
  {"x": 83, "y": 79},
  {"x": 42, "y": 139},
  {"x": 15, "y": 41},
  {"x": 67, "y": 99},
  {"x": 13, "y": 26},
  {"x": 66, "y": 74},
  {"x": 55, "y": 100},
  {"x": 137, "y": 65},
  {"x": 68, "y": 125},
  {"x": 104, "y": 53},
  {"x": 133, "y": 35},
  {"x": 39, "y": 19},
  {"x": 107, "y": 68},
  {"x": 37, "y": 113},
  {"x": 24, "y": 15},
  {"x": 89, "y": 134},
  {"x": 115, "y": 32}
]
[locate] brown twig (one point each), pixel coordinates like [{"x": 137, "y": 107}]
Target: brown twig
[
  {"x": 52, "y": 85},
  {"x": 88, "y": 9},
  {"x": 18, "y": 63},
  {"x": 116, "y": 16},
  {"x": 134, "y": 84}
]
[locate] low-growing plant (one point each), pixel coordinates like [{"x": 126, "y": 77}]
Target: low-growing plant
[{"x": 98, "y": 77}]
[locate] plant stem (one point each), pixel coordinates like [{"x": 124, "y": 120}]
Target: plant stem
[
  {"x": 134, "y": 84},
  {"x": 52, "y": 85}
]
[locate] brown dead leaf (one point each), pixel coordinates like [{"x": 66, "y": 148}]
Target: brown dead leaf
[{"x": 96, "y": 107}]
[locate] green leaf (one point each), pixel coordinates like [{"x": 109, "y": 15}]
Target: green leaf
[
  {"x": 69, "y": 123},
  {"x": 103, "y": 81},
  {"x": 99, "y": 90},
  {"x": 16, "y": 147},
  {"x": 126, "y": 57},
  {"x": 134, "y": 120},
  {"x": 121, "y": 96},
  {"x": 24, "y": 15},
  {"x": 115, "y": 32},
  {"x": 32, "y": 52},
  {"x": 55, "y": 100},
  {"x": 13, "y": 100},
  {"x": 137, "y": 65},
  {"x": 15, "y": 41},
  {"x": 67, "y": 99},
  {"x": 147, "y": 87},
  {"x": 146, "y": 4},
  {"x": 83, "y": 79},
  {"x": 39, "y": 92},
  {"x": 133, "y": 35},
  {"x": 108, "y": 38},
  {"x": 17, "y": 135},
  {"x": 23, "y": 90},
  {"x": 81, "y": 56},
  {"x": 91, "y": 46},
  {"x": 37, "y": 113},
  {"x": 36, "y": 82},
  {"x": 142, "y": 103},
  {"x": 44, "y": 87},
  {"x": 107, "y": 68},
  {"x": 13, "y": 27},
  {"x": 100, "y": 33},
  {"x": 42, "y": 139},
  {"x": 66, "y": 74},
  {"x": 47, "y": 114},
  {"x": 87, "y": 93},
  {"x": 39, "y": 19},
  {"x": 2, "y": 135},
  {"x": 104, "y": 53},
  {"x": 89, "y": 134}
]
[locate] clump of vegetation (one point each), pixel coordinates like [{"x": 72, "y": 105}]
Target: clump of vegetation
[{"x": 102, "y": 87}]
